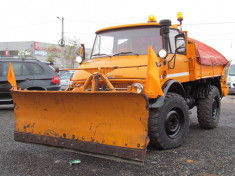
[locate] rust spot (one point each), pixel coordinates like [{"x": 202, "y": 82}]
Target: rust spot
[
  {"x": 91, "y": 126},
  {"x": 125, "y": 144},
  {"x": 25, "y": 127},
  {"x": 49, "y": 132},
  {"x": 45, "y": 109},
  {"x": 29, "y": 125}
]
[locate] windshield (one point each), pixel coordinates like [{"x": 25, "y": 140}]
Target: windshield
[
  {"x": 127, "y": 41},
  {"x": 231, "y": 70}
]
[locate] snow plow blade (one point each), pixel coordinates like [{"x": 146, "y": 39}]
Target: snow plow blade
[{"x": 107, "y": 123}]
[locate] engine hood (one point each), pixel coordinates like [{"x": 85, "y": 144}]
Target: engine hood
[{"x": 117, "y": 61}]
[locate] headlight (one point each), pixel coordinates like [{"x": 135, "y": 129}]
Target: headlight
[
  {"x": 162, "y": 53},
  {"x": 79, "y": 59},
  {"x": 139, "y": 87}
]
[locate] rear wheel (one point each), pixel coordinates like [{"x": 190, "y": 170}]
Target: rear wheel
[
  {"x": 208, "y": 109},
  {"x": 169, "y": 124}
]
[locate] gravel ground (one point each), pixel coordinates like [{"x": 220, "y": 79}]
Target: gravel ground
[{"x": 204, "y": 153}]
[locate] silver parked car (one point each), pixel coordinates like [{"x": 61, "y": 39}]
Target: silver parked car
[{"x": 65, "y": 79}]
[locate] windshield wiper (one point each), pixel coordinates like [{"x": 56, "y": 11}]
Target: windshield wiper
[
  {"x": 100, "y": 54},
  {"x": 128, "y": 52}
]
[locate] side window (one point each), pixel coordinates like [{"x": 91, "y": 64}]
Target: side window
[
  {"x": 172, "y": 35},
  {"x": 96, "y": 46},
  {"x": 25, "y": 70},
  {"x": 17, "y": 67},
  {"x": 36, "y": 69}
]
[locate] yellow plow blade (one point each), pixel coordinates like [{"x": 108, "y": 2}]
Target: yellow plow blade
[{"x": 107, "y": 123}]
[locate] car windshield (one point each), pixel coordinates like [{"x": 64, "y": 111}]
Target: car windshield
[
  {"x": 130, "y": 41},
  {"x": 232, "y": 70}
]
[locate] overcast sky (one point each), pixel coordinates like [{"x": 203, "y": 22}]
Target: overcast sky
[{"x": 209, "y": 21}]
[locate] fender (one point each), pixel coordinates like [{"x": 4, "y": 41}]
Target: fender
[{"x": 169, "y": 86}]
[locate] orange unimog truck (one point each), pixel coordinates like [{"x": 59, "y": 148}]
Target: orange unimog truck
[{"x": 126, "y": 96}]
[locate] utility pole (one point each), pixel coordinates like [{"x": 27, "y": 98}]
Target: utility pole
[
  {"x": 62, "y": 35},
  {"x": 61, "y": 42}
]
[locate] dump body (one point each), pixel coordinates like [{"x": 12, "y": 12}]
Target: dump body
[{"x": 107, "y": 108}]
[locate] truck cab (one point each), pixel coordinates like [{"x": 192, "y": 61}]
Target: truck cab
[{"x": 128, "y": 46}]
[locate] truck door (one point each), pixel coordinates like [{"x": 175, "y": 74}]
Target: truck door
[{"x": 178, "y": 64}]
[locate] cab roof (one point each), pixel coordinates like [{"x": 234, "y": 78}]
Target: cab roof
[{"x": 133, "y": 25}]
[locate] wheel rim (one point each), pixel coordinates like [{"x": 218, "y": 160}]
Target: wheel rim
[
  {"x": 215, "y": 107},
  {"x": 174, "y": 123}
]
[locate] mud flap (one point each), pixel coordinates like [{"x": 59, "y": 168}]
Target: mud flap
[{"x": 106, "y": 123}]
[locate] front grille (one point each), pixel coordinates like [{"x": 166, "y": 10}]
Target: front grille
[{"x": 120, "y": 86}]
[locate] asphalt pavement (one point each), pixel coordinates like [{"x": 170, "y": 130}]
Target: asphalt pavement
[{"x": 204, "y": 153}]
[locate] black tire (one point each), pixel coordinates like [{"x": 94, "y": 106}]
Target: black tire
[
  {"x": 208, "y": 109},
  {"x": 169, "y": 125}
]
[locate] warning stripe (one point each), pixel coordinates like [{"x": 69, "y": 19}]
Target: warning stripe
[{"x": 177, "y": 74}]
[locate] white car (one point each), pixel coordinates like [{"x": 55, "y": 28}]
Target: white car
[
  {"x": 65, "y": 79},
  {"x": 231, "y": 78}
]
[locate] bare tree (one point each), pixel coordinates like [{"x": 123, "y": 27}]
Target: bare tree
[
  {"x": 69, "y": 50},
  {"x": 52, "y": 53}
]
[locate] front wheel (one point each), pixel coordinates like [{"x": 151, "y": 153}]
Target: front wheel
[{"x": 169, "y": 124}]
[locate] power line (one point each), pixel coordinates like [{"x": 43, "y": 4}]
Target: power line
[
  {"x": 28, "y": 25},
  {"x": 103, "y": 22},
  {"x": 231, "y": 22},
  {"x": 85, "y": 21},
  {"x": 107, "y": 22}
]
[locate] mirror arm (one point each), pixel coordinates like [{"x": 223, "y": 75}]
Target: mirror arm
[{"x": 173, "y": 57}]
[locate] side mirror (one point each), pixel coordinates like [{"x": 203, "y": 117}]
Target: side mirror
[
  {"x": 80, "y": 54},
  {"x": 180, "y": 44}
]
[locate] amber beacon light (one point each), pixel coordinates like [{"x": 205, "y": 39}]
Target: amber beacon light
[
  {"x": 152, "y": 18},
  {"x": 180, "y": 16}
]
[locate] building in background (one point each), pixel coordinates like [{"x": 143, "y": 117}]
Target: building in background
[{"x": 45, "y": 52}]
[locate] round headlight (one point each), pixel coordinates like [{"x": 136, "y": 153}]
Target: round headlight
[
  {"x": 162, "y": 53},
  {"x": 139, "y": 87},
  {"x": 79, "y": 59}
]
